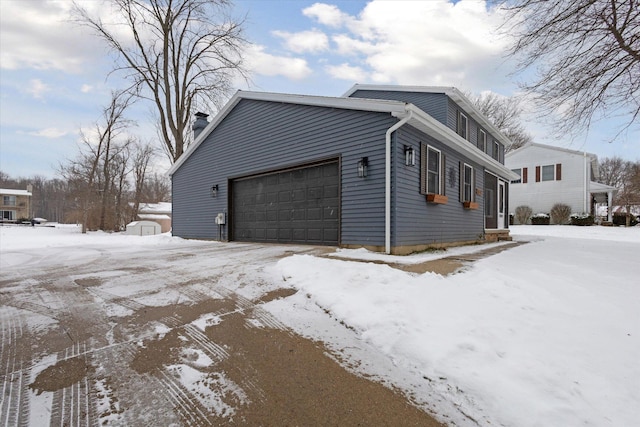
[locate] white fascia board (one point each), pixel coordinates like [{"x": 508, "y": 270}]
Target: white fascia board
[
  {"x": 431, "y": 126},
  {"x": 10, "y": 192},
  {"x": 451, "y": 92},
  {"x": 374, "y": 105}
]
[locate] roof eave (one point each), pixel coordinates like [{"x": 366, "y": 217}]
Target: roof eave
[
  {"x": 431, "y": 126},
  {"x": 375, "y": 105}
]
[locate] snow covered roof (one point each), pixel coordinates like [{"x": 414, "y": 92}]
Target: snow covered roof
[
  {"x": 153, "y": 216},
  {"x": 10, "y": 192},
  {"x": 155, "y": 208}
]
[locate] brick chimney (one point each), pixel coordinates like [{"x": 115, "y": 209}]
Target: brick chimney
[{"x": 199, "y": 124}]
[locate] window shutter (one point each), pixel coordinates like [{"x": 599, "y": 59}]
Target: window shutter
[
  {"x": 443, "y": 174},
  {"x": 461, "y": 169},
  {"x": 558, "y": 171},
  {"x": 537, "y": 173},
  {"x": 423, "y": 168},
  {"x": 473, "y": 186},
  {"x": 525, "y": 173}
]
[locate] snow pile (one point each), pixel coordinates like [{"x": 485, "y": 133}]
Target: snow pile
[{"x": 544, "y": 334}]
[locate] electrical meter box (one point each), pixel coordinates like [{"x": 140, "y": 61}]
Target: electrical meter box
[{"x": 220, "y": 219}]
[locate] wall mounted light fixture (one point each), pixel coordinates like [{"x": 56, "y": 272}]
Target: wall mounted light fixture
[
  {"x": 363, "y": 165},
  {"x": 214, "y": 191},
  {"x": 409, "y": 156}
]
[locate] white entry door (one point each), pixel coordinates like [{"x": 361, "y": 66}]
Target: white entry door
[{"x": 501, "y": 204}]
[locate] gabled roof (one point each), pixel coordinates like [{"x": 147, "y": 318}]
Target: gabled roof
[
  {"x": 452, "y": 92},
  {"x": 593, "y": 159},
  {"x": 417, "y": 118}
]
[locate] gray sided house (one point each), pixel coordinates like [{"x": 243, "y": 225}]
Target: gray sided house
[{"x": 390, "y": 168}]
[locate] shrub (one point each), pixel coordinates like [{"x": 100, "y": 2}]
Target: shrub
[
  {"x": 560, "y": 213},
  {"x": 620, "y": 218},
  {"x": 581, "y": 219},
  {"x": 540, "y": 219},
  {"x": 523, "y": 213}
]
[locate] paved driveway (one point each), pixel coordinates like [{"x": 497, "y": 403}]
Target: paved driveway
[{"x": 177, "y": 336}]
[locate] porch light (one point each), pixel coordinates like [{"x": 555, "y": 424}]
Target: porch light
[
  {"x": 214, "y": 191},
  {"x": 363, "y": 165},
  {"x": 409, "y": 156}
]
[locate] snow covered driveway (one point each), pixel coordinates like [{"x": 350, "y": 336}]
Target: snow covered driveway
[
  {"x": 125, "y": 330},
  {"x": 103, "y": 329}
]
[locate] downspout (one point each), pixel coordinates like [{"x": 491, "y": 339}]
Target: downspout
[
  {"x": 586, "y": 186},
  {"x": 387, "y": 188}
]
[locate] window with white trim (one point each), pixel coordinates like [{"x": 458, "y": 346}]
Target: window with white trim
[
  {"x": 482, "y": 141},
  {"x": 463, "y": 125},
  {"x": 8, "y": 215},
  {"x": 548, "y": 173},
  {"x": 467, "y": 183},
  {"x": 9, "y": 200},
  {"x": 434, "y": 168}
]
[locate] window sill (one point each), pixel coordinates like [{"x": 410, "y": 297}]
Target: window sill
[
  {"x": 437, "y": 198},
  {"x": 470, "y": 205}
]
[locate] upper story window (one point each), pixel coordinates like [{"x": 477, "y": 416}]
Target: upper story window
[
  {"x": 9, "y": 200},
  {"x": 496, "y": 150},
  {"x": 463, "y": 125},
  {"x": 482, "y": 141}
]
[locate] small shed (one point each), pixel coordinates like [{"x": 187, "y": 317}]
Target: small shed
[{"x": 143, "y": 228}]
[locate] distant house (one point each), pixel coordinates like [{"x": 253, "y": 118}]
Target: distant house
[
  {"x": 390, "y": 168},
  {"x": 14, "y": 205},
  {"x": 548, "y": 175},
  {"x": 156, "y": 212}
]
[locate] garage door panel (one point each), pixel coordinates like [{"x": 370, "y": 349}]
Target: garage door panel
[{"x": 296, "y": 206}]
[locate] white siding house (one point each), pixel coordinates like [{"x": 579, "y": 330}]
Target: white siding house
[{"x": 550, "y": 175}]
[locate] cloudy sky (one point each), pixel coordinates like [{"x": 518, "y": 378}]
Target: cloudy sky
[{"x": 54, "y": 74}]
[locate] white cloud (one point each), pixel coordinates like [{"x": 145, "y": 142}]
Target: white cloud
[
  {"x": 304, "y": 41},
  {"x": 326, "y": 14},
  {"x": 49, "y": 133},
  {"x": 346, "y": 72},
  {"x": 39, "y": 35},
  {"x": 36, "y": 88},
  {"x": 418, "y": 42},
  {"x": 266, "y": 64},
  {"x": 86, "y": 88}
]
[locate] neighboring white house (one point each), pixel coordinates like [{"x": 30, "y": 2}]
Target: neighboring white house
[{"x": 550, "y": 175}]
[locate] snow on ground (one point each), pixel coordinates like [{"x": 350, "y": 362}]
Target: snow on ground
[{"x": 547, "y": 333}]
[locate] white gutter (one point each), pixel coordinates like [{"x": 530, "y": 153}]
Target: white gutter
[{"x": 387, "y": 187}]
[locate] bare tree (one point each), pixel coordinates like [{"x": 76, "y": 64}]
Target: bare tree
[
  {"x": 625, "y": 176},
  {"x": 91, "y": 173},
  {"x": 587, "y": 58},
  {"x": 183, "y": 54},
  {"x": 504, "y": 112},
  {"x": 141, "y": 159},
  {"x": 612, "y": 171}
]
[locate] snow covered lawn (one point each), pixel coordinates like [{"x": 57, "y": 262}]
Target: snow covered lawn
[{"x": 545, "y": 334}]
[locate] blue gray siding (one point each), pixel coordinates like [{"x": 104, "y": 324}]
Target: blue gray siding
[
  {"x": 418, "y": 222},
  {"x": 434, "y": 104},
  {"x": 259, "y": 136}
]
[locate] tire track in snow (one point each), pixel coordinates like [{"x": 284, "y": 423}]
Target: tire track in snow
[
  {"x": 14, "y": 403},
  {"x": 73, "y": 406}
]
